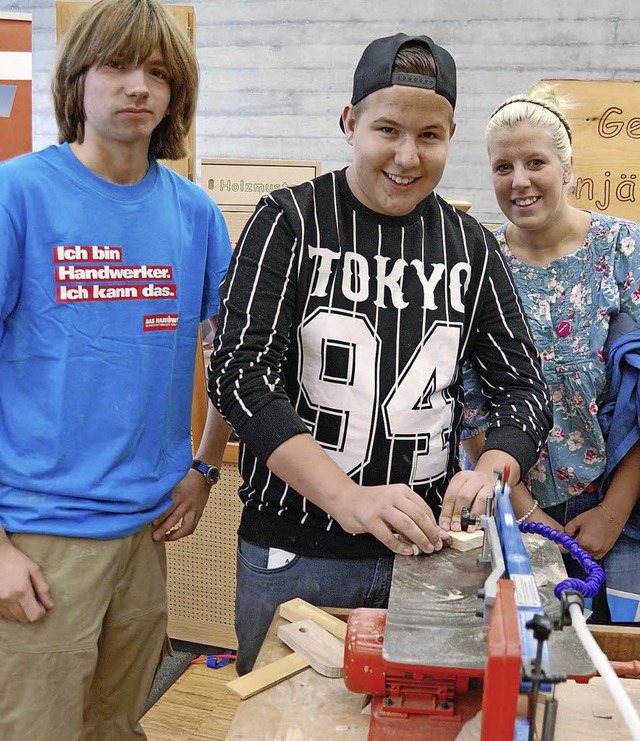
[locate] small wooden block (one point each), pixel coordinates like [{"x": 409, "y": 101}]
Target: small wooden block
[
  {"x": 297, "y": 609},
  {"x": 464, "y": 541},
  {"x": 266, "y": 676},
  {"x": 323, "y": 651}
]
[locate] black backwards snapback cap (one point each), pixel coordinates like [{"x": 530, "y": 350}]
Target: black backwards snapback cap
[{"x": 375, "y": 69}]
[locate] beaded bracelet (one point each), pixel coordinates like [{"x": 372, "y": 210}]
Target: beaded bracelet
[
  {"x": 611, "y": 518},
  {"x": 529, "y": 513}
]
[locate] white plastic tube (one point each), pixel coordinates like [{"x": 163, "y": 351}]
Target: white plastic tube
[{"x": 604, "y": 668}]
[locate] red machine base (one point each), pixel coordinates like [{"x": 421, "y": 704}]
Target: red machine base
[
  {"x": 432, "y": 703},
  {"x": 411, "y": 727}
]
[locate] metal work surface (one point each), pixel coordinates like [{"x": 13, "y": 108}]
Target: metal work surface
[{"x": 431, "y": 620}]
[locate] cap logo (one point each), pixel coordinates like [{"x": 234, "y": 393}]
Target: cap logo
[{"x": 413, "y": 80}]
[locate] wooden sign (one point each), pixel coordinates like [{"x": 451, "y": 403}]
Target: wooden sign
[
  {"x": 605, "y": 122},
  {"x": 237, "y": 185}
]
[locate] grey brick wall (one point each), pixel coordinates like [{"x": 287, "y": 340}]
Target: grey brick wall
[{"x": 277, "y": 73}]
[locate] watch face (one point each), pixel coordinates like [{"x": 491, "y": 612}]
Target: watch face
[{"x": 212, "y": 475}]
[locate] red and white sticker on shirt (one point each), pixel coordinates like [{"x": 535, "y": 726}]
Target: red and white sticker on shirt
[{"x": 155, "y": 322}]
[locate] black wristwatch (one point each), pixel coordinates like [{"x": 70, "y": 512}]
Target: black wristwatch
[{"x": 210, "y": 473}]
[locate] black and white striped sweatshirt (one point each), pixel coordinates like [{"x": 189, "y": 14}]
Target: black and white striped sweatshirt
[{"x": 353, "y": 326}]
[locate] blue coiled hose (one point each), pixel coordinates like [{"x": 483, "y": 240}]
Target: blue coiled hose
[{"x": 595, "y": 573}]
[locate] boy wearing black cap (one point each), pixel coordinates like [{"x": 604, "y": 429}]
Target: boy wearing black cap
[{"x": 348, "y": 310}]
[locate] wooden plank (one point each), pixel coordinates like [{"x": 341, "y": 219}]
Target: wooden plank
[
  {"x": 465, "y": 541},
  {"x": 462, "y": 205},
  {"x": 216, "y": 631},
  {"x": 267, "y": 676},
  {"x": 462, "y": 541},
  {"x": 230, "y": 454},
  {"x": 619, "y": 642},
  {"x": 322, "y": 650},
  {"x": 261, "y": 679},
  {"x": 297, "y": 609}
]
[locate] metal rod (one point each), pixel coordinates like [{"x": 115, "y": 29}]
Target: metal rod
[{"x": 549, "y": 721}]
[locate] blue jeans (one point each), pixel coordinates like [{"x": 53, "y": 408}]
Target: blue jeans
[
  {"x": 326, "y": 582},
  {"x": 621, "y": 565}
]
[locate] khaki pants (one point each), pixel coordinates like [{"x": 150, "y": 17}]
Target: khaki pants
[{"x": 85, "y": 670}]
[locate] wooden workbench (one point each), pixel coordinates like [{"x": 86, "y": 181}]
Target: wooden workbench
[{"x": 310, "y": 707}]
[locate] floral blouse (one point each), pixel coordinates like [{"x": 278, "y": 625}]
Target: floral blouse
[{"x": 569, "y": 304}]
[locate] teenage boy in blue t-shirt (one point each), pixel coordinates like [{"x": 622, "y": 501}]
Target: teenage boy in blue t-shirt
[{"x": 109, "y": 262}]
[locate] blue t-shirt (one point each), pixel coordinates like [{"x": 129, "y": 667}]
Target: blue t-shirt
[{"x": 102, "y": 289}]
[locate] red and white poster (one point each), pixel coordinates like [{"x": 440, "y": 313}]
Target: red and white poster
[{"x": 15, "y": 84}]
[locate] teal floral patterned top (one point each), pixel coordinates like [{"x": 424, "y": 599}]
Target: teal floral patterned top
[{"x": 569, "y": 304}]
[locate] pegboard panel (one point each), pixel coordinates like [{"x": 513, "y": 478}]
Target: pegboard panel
[{"x": 201, "y": 580}]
